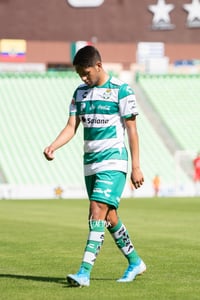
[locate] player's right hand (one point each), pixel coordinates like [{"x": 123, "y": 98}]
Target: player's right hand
[{"x": 49, "y": 153}]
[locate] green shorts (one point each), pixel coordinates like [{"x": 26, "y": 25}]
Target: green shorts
[{"x": 106, "y": 187}]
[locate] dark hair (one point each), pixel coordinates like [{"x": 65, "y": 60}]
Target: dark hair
[{"x": 86, "y": 57}]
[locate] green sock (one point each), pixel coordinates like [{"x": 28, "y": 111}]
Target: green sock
[
  {"x": 123, "y": 242},
  {"x": 94, "y": 243}
]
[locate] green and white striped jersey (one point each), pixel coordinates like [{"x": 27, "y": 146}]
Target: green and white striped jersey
[{"x": 101, "y": 110}]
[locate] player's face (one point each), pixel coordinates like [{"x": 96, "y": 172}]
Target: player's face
[{"x": 90, "y": 75}]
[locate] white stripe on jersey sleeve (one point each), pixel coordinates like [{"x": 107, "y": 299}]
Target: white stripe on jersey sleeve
[{"x": 128, "y": 106}]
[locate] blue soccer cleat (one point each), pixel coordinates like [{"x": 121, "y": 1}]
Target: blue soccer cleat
[
  {"x": 79, "y": 279},
  {"x": 132, "y": 271}
]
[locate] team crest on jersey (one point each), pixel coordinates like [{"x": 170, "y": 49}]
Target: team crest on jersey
[{"x": 107, "y": 94}]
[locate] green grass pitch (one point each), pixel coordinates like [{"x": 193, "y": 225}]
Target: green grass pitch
[{"x": 42, "y": 241}]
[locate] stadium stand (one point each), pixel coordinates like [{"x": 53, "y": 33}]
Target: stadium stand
[
  {"x": 34, "y": 108},
  {"x": 176, "y": 100},
  {"x": 155, "y": 156}
]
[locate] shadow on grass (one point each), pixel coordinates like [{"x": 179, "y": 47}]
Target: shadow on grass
[
  {"x": 57, "y": 280},
  {"x": 34, "y": 278}
]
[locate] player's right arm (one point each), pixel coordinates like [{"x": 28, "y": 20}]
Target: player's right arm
[{"x": 63, "y": 138}]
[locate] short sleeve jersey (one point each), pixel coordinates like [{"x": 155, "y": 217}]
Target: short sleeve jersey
[{"x": 102, "y": 110}]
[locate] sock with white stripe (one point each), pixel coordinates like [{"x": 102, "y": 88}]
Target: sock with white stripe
[
  {"x": 94, "y": 243},
  {"x": 123, "y": 242}
]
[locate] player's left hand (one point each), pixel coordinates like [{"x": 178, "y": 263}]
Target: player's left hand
[{"x": 137, "y": 177}]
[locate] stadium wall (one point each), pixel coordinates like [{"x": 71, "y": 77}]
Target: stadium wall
[
  {"x": 124, "y": 53},
  {"x": 37, "y": 192},
  {"x": 116, "y": 27},
  {"x": 114, "y": 21}
]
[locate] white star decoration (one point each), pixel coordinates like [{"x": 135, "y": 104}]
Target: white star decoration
[
  {"x": 193, "y": 10},
  {"x": 161, "y": 12}
]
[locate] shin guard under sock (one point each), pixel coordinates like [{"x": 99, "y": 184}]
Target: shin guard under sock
[
  {"x": 94, "y": 243},
  {"x": 123, "y": 242}
]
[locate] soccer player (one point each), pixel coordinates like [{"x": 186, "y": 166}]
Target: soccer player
[
  {"x": 156, "y": 185},
  {"x": 106, "y": 107},
  {"x": 196, "y": 163}
]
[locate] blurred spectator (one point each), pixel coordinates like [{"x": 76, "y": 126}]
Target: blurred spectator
[
  {"x": 196, "y": 163},
  {"x": 156, "y": 185},
  {"x": 132, "y": 188}
]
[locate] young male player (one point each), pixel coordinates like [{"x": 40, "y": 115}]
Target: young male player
[
  {"x": 105, "y": 106},
  {"x": 196, "y": 163}
]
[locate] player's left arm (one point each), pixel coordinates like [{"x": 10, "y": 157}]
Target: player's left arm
[
  {"x": 128, "y": 111},
  {"x": 137, "y": 177}
]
